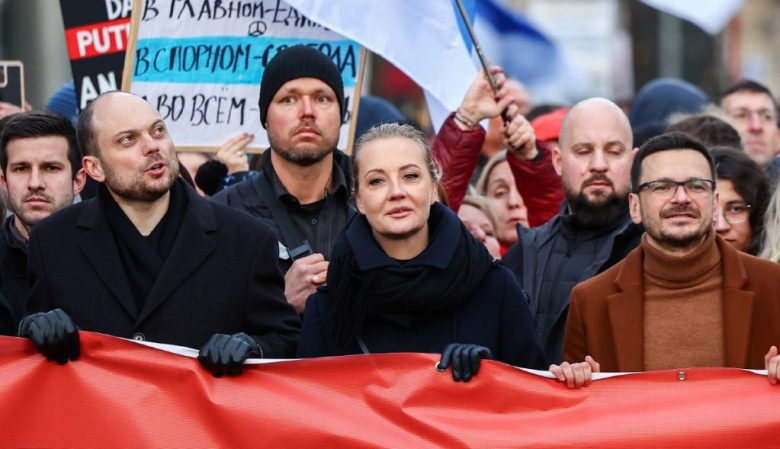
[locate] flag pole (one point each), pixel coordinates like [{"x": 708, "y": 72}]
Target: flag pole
[
  {"x": 480, "y": 54},
  {"x": 475, "y": 42}
]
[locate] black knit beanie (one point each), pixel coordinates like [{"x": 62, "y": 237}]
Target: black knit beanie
[{"x": 299, "y": 61}]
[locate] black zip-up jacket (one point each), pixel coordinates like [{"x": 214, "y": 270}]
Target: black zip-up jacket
[
  {"x": 551, "y": 259},
  {"x": 320, "y": 224}
]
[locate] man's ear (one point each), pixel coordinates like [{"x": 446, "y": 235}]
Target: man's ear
[
  {"x": 556, "y": 159},
  {"x": 93, "y": 167},
  {"x": 79, "y": 181},
  {"x": 3, "y": 181},
  {"x": 634, "y": 208}
]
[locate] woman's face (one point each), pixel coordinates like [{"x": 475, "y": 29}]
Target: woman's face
[
  {"x": 395, "y": 192},
  {"x": 505, "y": 203},
  {"x": 733, "y": 218},
  {"x": 480, "y": 226}
]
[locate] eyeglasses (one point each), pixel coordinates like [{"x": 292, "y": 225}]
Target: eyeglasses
[
  {"x": 737, "y": 212},
  {"x": 667, "y": 188}
]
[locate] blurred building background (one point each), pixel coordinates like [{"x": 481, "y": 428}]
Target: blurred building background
[{"x": 616, "y": 46}]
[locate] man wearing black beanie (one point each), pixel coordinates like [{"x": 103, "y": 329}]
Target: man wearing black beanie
[{"x": 305, "y": 184}]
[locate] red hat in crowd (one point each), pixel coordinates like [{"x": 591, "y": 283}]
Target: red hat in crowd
[{"x": 548, "y": 126}]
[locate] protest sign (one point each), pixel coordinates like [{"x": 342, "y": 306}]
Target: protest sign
[
  {"x": 96, "y": 32},
  {"x": 199, "y": 62}
]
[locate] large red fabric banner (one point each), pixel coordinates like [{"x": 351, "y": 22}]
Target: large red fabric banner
[{"x": 120, "y": 394}]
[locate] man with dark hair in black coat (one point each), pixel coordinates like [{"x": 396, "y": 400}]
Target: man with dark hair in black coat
[
  {"x": 41, "y": 174},
  {"x": 148, "y": 259}
]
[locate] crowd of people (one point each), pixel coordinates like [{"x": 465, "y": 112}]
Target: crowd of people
[{"x": 574, "y": 238}]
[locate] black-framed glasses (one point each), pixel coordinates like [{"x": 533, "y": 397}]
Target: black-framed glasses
[
  {"x": 736, "y": 212},
  {"x": 667, "y": 188}
]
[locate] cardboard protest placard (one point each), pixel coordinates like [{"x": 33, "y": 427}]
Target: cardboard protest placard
[
  {"x": 200, "y": 62},
  {"x": 96, "y": 32}
]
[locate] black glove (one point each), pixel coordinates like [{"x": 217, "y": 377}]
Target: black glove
[
  {"x": 54, "y": 333},
  {"x": 225, "y": 354},
  {"x": 464, "y": 359}
]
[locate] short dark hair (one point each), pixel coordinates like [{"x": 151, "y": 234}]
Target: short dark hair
[
  {"x": 747, "y": 85},
  {"x": 86, "y": 135},
  {"x": 709, "y": 130},
  {"x": 667, "y": 142},
  {"x": 27, "y": 125},
  {"x": 749, "y": 182}
]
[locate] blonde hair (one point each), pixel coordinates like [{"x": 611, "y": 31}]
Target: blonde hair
[
  {"x": 491, "y": 164},
  {"x": 396, "y": 130},
  {"x": 770, "y": 248},
  {"x": 481, "y": 203}
]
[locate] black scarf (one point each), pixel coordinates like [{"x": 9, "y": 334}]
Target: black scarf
[
  {"x": 143, "y": 257},
  {"x": 363, "y": 280}
]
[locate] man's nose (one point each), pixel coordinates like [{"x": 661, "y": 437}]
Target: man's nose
[
  {"x": 307, "y": 107},
  {"x": 754, "y": 122},
  {"x": 680, "y": 194},
  {"x": 36, "y": 181},
  {"x": 151, "y": 145},
  {"x": 598, "y": 161}
]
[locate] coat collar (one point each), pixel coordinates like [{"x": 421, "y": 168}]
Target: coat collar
[
  {"x": 192, "y": 246},
  {"x": 251, "y": 188},
  {"x": 626, "y": 309}
]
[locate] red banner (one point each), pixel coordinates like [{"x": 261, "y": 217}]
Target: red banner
[{"x": 121, "y": 394}]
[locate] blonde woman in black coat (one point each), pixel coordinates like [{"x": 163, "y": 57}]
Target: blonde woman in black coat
[{"x": 406, "y": 275}]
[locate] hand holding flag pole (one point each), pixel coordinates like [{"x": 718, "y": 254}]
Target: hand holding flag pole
[{"x": 480, "y": 54}]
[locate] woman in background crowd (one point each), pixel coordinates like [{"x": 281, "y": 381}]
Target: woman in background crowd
[
  {"x": 475, "y": 214},
  {"x": 742, "y": 199},
  {"x": 406, "y": 275},
  {"x": 498, "y": 184},
  {"x": 770, "y": 247}
]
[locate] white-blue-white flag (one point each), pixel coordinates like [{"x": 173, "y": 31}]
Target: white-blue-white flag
[
  {"x": 420, "y": 37},
  {"x": 526, "y": 54},
  {"x": 710, "y": 15}
]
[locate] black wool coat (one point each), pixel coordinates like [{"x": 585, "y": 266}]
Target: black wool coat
[
  {"x": 495, "y": 316},
  {"x": 221, "y": 276}
]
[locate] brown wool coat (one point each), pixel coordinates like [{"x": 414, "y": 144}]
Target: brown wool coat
[{"x": 606, "y": 319}]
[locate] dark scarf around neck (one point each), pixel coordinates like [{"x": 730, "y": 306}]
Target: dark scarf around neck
[
  {"x": 363, "y": 280},
  {"x": 144, "y": 256}
]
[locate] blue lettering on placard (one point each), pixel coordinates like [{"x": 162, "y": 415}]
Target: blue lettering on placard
[{"x": 228, "y": 59}]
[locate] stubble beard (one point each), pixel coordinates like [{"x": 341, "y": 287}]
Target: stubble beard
[
  {"x": 672, "y": 241},
  {"x": 301, "y": 157},
  {"x": 137, "y": 189},
  {"x": 31, "y": 219}
]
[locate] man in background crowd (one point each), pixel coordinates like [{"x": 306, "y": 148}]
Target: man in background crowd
[
  {"x": 41, "y": 174},
  {"x": 305, "y": 185}
]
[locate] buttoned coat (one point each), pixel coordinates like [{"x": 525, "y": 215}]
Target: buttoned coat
[
  {"x": 221, "y": 276},
  {"x": 606, "y": 315}
]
